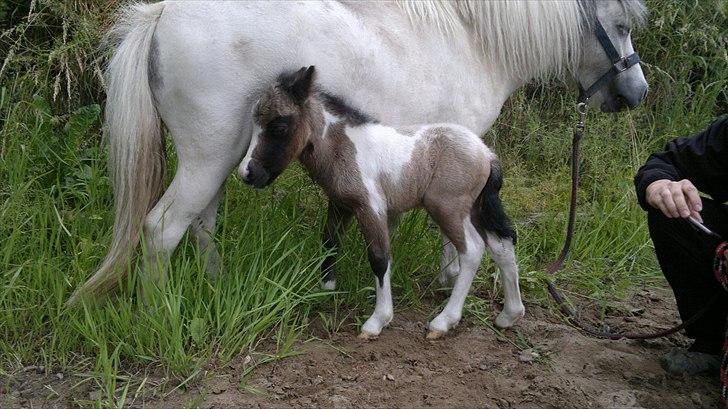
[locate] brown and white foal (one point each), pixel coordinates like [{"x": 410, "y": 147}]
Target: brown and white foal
[{"x": 375, "y": 173}]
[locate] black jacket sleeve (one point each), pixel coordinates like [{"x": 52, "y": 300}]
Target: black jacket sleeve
[{"x": 700, "y": 158}]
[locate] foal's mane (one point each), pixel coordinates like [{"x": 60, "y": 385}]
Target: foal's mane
[
  {"x": 339, "y": 107},
  {"x": 529, "y": 39}
]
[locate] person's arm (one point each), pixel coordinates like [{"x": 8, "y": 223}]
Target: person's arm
[{"x": 670, "y": 180}]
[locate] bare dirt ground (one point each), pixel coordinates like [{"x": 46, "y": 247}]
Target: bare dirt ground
[{"x": 541, "y": 364}]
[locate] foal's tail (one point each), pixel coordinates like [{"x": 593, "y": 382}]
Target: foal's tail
[
  {"x": 488, "y": 213},
  {"x": 136, "y": 146}
]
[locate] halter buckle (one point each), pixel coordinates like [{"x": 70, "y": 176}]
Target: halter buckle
[{"x": 621, "y": 65}]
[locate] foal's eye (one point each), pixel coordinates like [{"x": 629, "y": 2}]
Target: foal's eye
[{"x": 279, "y": 126}]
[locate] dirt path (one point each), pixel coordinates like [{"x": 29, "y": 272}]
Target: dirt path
[{"x": 473, "y": 367}]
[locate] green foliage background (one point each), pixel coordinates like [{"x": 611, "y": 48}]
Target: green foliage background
[{"x": 55, "y": 202}]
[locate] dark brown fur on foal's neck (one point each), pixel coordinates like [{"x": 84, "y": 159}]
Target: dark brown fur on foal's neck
[{"x": 330, "y": 157}]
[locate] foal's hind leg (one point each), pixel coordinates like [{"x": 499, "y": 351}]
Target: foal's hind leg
[
  {"x": 470, "y": 253},
  {"x": 449, "y": 262},
  {"x": 502, "y": 251},
  {"x": 203, "y": 231}
]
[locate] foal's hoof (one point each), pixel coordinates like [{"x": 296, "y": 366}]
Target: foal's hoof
[
  {"x": 367, "y": 336},
  {"x": 435, "y": 334},
  {"x": 328, "y": 285}
]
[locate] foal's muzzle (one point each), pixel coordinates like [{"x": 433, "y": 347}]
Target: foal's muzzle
[{"x": 256, "y": 175}]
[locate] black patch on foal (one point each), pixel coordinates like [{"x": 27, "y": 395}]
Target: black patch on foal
[
  {"x": 488, "y": 213},
  {"x": 337, "y": 106},
  {"x": 379, "y": 261}
]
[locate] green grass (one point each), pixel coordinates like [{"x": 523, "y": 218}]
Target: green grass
[{"x": 55, "y": 219}]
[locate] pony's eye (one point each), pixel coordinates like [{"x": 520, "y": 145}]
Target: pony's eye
[{"x": 623, "y": 29}]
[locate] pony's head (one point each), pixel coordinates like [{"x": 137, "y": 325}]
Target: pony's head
[
  {"x": 615, "y": 20},
  {"x": 282, "y": 128}
]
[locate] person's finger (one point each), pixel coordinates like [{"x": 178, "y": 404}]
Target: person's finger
[
  {"x": 696, "y": 216},
  {"x": 657, "y": 203},
  {"x": 693, "y": 198},
  {"x": 669, "y": 204},
  {"x": 679, "y": 199}
]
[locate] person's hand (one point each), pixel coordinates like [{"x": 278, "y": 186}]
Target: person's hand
[{"x": 675, "y": 199}]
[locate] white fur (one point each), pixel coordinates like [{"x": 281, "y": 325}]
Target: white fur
[
  {"x": 243, "y": 167},
  {"x": 380, "y": 150},
  {"x": 329, "y": 119},
  {"x": 504, "y": 256},
  {"x": 469, "y": 263},
  {"x": 386, "y": 57},
  {"x": 384, "y": 310},
  {"x": 329, "y": 285}
]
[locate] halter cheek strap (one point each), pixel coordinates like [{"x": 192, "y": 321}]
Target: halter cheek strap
[{"x": 619, "y": 64}]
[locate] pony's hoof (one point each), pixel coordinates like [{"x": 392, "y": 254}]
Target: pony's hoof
[
  {"x": 435, "y": 334},
  {"x": 367, "y": 336},
  {"x": 505, "y": 320}
]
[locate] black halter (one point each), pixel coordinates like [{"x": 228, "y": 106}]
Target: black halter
[{"x": 619, "y": 64}]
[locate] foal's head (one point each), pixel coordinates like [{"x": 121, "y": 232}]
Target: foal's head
[{"x": 284, "y": 120}]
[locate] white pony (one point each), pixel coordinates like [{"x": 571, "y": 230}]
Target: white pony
[{"x": 198, "y": 67}]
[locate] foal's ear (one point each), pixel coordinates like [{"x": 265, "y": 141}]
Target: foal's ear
[{"x": 299, "y": 88}]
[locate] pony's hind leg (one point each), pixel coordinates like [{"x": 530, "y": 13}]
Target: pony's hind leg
[
  {"x": 470, "y": 253},
  {"x": 194, "y": 192},
  {"x": 203, "y": 231},
  {"x": 503, "y": 253}
]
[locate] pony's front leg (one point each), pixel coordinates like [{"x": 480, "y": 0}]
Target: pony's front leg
[
  {"x": 376, "y": 236},
  {"x": 337, "y": 220}
]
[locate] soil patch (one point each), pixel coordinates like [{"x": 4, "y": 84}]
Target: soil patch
[{"x": 542, "y": 363}]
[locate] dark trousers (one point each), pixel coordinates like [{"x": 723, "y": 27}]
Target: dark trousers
[{"x": 686, "y": 258}]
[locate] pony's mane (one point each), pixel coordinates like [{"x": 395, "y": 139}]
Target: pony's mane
[{"x": 529, "y": 39}]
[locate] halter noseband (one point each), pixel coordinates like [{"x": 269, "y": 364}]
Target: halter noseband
[{"x": 619, "y": 64}]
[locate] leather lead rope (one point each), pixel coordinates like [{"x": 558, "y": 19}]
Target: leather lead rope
[{"x": 558, "y": 263}]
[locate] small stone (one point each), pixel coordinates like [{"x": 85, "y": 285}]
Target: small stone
[
  {"x": 528, "y": 355},
  {"x": 697, "y": 400},
  {"x": 218, "y": 388},
  {"x": 247, "y": 359},
  {"x": 59, "y": 375},
  {"x": 637, "y": 311},
  {"x": 40, "y": 369},
  {"x": 95, "y": 395},
  {"x": 389, "y": 377}
]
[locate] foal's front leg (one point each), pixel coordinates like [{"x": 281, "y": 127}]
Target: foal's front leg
[
  {"x": 337, "y": 220},
  {"x": 376, "y": 235}
]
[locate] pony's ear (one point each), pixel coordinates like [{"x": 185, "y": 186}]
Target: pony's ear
[{"x": 299, "y": 84}]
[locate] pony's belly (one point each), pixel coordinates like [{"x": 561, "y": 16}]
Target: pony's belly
[{"x": 218, "y": 54}]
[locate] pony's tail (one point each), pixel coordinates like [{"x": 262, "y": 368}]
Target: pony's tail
[
  {"x": 488, "y": 213},
  {"x": 136, "y": 146}
]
